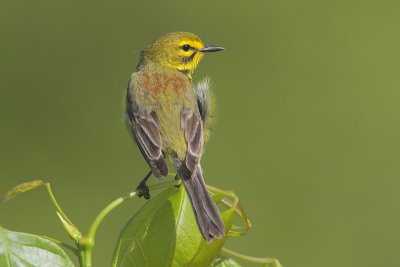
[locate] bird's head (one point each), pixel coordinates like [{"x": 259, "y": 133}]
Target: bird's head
[{"x": 181, "y": 51}]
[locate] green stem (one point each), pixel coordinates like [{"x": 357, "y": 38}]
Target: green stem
[
  {"x": 85, "y": 258},
  {"x": 223, "y": 192},
  {"x": 55, "y": 203},
  {"x": 273, "y": 262},
  {"x": 100, "y": 217},
  {"x": 86, "y": 243},
  {"x": 239, "y": 209}
]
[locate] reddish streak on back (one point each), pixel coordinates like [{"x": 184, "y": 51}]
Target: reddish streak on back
[
  {"x": 144, "y": 80},
  {"x": 166, "y": 81},
  {"x": 176, "y": 87},
  {"x": 158, "y": 83},
  {"x": 184, "y": 85}
]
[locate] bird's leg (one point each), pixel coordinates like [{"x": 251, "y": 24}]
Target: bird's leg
[{"x": 142, "y": 189}]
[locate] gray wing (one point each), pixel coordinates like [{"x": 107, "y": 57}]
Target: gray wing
[
  {"x": 192, "y": 125},
  {"x": 146, "y": 130}
]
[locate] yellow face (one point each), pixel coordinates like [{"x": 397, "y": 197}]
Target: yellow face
[{"x": 178, "y": 50}]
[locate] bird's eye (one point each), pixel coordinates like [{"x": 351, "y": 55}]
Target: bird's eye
[{"x": 185, "y": 47}]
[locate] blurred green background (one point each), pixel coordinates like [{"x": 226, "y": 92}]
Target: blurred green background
[{"x": 308, "y": 125}]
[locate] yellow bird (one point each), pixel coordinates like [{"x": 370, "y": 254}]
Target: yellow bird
[{"x": 170, "y": 118}]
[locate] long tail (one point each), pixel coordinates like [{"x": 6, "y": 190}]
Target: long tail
[{"x": 206, "y": 212}]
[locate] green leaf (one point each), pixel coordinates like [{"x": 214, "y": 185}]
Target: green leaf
[
  {"x": 164, "y": 232},
  {"x": 223, "y": 261},
  {"x": 22, "y": 188},
  {"x": 21, "y": 249}
]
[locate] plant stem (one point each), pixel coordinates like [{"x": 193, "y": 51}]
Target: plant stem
[
  {"x": 100, "y": 217},
  {"x": 228, "y": 193},
  {"x": 56, "y": 205},
  {"x": 273, "y": 262},
  {"x": 86, "y": 243},
  {"x": 85, "y": 258},
  {"x": 239, "y": 209}
]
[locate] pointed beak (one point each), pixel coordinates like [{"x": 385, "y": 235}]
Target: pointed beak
[{"x": 211, "y": 48}]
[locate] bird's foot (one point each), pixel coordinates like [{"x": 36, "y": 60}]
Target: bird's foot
[{"x": 143, "y": 190}]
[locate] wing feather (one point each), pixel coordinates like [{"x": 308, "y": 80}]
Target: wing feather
[
  {"x": 192, "y": 125},
  {"x": 145, "y": 126}
]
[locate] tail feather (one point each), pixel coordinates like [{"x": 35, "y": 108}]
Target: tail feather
[{"x": 205, "y": 210}]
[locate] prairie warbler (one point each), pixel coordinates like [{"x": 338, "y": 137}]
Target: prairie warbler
[{"x": 170, "y": 119}]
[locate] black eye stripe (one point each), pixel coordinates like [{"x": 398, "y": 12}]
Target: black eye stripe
[{"x": 189, "y": 58}]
